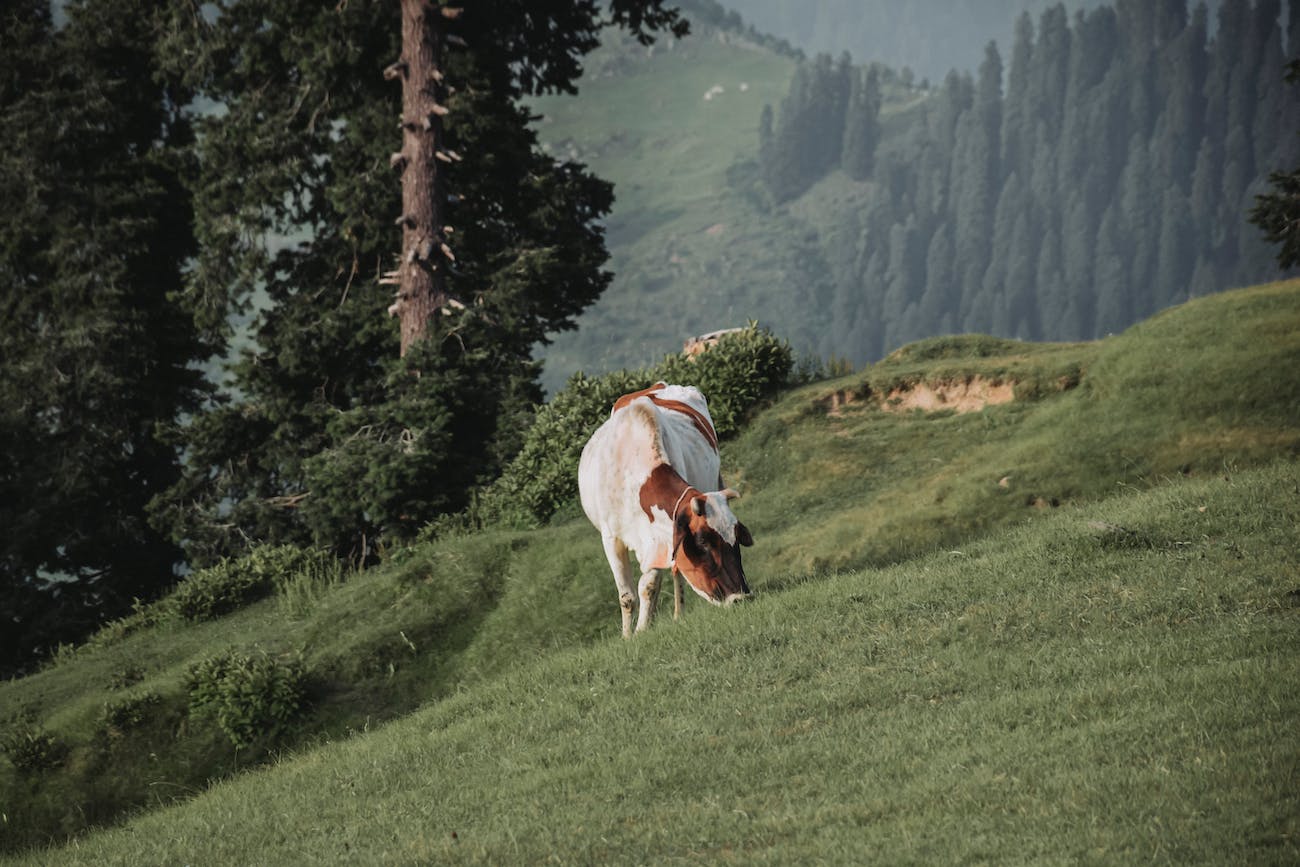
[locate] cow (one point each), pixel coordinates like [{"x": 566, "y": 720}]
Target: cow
[{"x": 650, "y": 482}]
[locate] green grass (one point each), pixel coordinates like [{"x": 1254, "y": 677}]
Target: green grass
[
  {"x": 1068, "y": 691},
  {"x": 1116, "y": 669}
]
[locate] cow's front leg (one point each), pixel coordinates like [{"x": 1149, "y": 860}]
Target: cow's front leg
[
  {"x": 677, "y": 595},
  {"x": 616, "y": 553},
  {"x": 649, "y": 590}
]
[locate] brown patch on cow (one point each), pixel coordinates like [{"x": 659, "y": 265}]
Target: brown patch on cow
[
  {"x": 697, "y": 418},
  {"x": 645, "y": 392},
  {"x": 662, "y": 488},
  {"x": 960, "y": 395}
]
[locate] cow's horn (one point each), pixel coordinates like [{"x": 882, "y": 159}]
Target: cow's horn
[{"x": 731, "y": 493}]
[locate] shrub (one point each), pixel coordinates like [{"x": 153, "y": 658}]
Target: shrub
[
  {"x": 230, "y": 584},
  {"x": 30, "y": 749},
  {"x": 248, "y": 696},
  {"x": 124, "y": 677},
  {"x": 129, "y": 712},
  {"x": 736, "y": 375}
]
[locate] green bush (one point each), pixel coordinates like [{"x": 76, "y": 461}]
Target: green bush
[
  {"x": 248, "y": 696},
  {"x": 31, "y": 749},
  {"x": 129, "y": 712},
  {"x": 229, "y": 584},
  {"x": 737, "y": 375}
]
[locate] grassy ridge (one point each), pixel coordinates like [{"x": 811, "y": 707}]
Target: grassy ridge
[
  {"x": 1196, "y": 395},
  {"x": 1115, "y": 683}
]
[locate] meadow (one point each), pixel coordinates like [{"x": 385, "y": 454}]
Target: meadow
[{"x": 1061, "y": 628}]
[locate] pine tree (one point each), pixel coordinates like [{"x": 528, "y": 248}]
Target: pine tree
[
  {"x": 1017, "y": 126},
  {"x": 1176, "y": 257},
  {"x": 862, "y": 124},
  {"x": 785, "y": 170},
  {"x": 335, "y": 439},
  {"x": 97, "y": 346},
  {"x": 939, "y": 300},
  {"x": 1277, "y": 213},
  {"x": 1114, "y": 310}
]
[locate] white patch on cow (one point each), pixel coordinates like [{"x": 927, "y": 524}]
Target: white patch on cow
[{"x": 720, "y": 517}]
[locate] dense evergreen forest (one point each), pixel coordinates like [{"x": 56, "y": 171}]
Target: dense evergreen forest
[
  {"x": 1110, "y": 177},
  {"x": 925, "y": 37}
]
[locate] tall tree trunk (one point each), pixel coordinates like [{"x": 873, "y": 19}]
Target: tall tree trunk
[{"x": 422, "y": 270}]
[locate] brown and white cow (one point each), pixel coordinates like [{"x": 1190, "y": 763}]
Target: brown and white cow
[{"x": 649, "y": 480}]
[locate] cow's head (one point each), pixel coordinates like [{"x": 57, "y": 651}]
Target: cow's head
[{"x": 707, "y": 539}]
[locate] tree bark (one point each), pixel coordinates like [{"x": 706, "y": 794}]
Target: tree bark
[{"x": 422, "y": 268}]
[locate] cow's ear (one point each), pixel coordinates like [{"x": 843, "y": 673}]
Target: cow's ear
[
  {"x": 697, "y": 506},
  {"x": 742, "y": 535}
]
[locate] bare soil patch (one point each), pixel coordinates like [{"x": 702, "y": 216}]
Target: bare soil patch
[
  {"x": 960, "y": 395},
  {"x": 969, "y": 394}
]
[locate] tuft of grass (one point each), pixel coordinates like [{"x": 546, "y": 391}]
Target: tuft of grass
[{"x": 1042, "y": 695}]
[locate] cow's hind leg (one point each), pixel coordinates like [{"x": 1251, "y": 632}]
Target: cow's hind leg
[
  {"x": 649, "y": 591},
  {"x": 616, "y": 553}
]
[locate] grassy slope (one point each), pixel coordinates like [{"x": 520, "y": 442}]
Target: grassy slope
[
  {"x": 1061, "y": 692},
  {"x": 1206, "y": 389}
]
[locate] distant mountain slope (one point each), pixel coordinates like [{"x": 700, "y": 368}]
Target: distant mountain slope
[
  {"x": 1108, "y": 177},
  {"x": 667, "y": 124},
  {"x": 1034, "y": 495}
]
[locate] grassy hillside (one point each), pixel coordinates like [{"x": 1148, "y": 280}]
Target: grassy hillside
[
  {"x": 1114, "y": 684},
  {"x": 1004, "y": 634},
  {"x": 666, "y": 124}
]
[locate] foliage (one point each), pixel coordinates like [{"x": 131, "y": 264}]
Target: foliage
[
  {"x": 298, "y": 591},
  {"x": 31, "y": 750},
  {"x": 229, "y": 584},
  {"x": 1277, "y": 213},
  {"x": 129, "y": 712},
  {"x": 737, "y": 375},
  {"x": 249, "y": 696},
  {"x": 98, "y": 345},
  {"x": 334, "y": 440}
]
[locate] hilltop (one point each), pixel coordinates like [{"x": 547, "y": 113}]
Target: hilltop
[{"x": 1002, "y": 633}]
